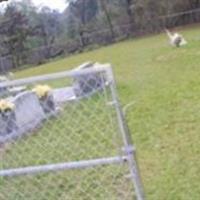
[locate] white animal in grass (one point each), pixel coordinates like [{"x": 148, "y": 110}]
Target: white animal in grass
[{"x": 176, "y": 39}]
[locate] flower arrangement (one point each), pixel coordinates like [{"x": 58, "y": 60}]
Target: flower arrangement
[
  {"x": 6, "y": 106},
  {"x": 7, "y": 117},
  {"x": 46, "y": 98},
  {"x": 42, "y": 91}
]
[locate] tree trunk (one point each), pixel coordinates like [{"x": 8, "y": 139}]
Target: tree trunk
[
  {"x": 105, "y": 10},
  {"x": 130, "y": 15},
  {"x": 83, "y": 24},
  {"x": 82, "y": 39}
]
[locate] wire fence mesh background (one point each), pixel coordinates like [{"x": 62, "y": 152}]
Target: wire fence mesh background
[{"x": 83, "y": 126}]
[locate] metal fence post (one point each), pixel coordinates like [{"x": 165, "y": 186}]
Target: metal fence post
[{"x": 129, "y": 148}]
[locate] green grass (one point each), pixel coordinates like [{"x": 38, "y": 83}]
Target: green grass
[
  {"x": 77, "y": 133},
  {"x": 164, "y": 83}
]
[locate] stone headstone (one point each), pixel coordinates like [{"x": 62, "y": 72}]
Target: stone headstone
[
  {"x": 48, "y": 105},
  {"x": 87, "y": 84},
  {"x": 62, "y": 95},
  {"x": 3, "y": 90},
  {"x": 27, "y": 116},
  {"x": 16, "y": 90},
  {"x": 7, "y": 123},
  {"x": 28, "y": 111}
]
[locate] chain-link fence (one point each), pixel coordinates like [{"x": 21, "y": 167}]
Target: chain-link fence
[{"x": 63, "y": 136}]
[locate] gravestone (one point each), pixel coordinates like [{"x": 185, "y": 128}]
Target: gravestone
[
  {"x": 62, "y": 95},
  {"x": 85, "y": 85},
  {"x": 28, "y": 111},
  {"x": 7, "y": 123},
  {"x": 48, "y": 105},
  {"x": 27, "y": 116},
  {"x": 3, "y": 90}
]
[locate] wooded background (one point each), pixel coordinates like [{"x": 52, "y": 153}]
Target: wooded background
[{"x": 31, "y": 36}]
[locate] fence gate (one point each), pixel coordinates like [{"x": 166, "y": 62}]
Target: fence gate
[{"x": 63, "y": 137}]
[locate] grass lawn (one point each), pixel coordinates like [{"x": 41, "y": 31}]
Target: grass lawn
[{"x": 164, "y": 83}]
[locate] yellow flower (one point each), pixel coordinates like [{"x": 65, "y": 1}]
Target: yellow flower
[
  {"x": 6, "y": 105},
  {"x": 42, "y": 90}
]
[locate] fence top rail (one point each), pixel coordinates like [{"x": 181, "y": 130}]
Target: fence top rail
[
  {"x": 62, "y": 166},
  {"x": 98, "y": 68},
  {"x": 180, "y": 13}
]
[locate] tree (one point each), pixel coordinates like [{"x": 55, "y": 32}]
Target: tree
[
  {"x": 47, "y": 28},
  {"x": 14, "y": 30},
  {"x": 129, "y": 10},
  {"x": 80, "y": 15},
  {"x": 103, "y": 4}
]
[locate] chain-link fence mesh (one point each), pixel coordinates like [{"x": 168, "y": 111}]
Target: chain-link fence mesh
[{"x": 54, "y": 126}]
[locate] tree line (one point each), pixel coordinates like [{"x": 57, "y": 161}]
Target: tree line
[{"x": 29, "y": 35}]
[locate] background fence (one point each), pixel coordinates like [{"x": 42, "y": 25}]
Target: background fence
[
  {"x": 94, "y": 38},
  {"x": 67, "y": 142}
]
